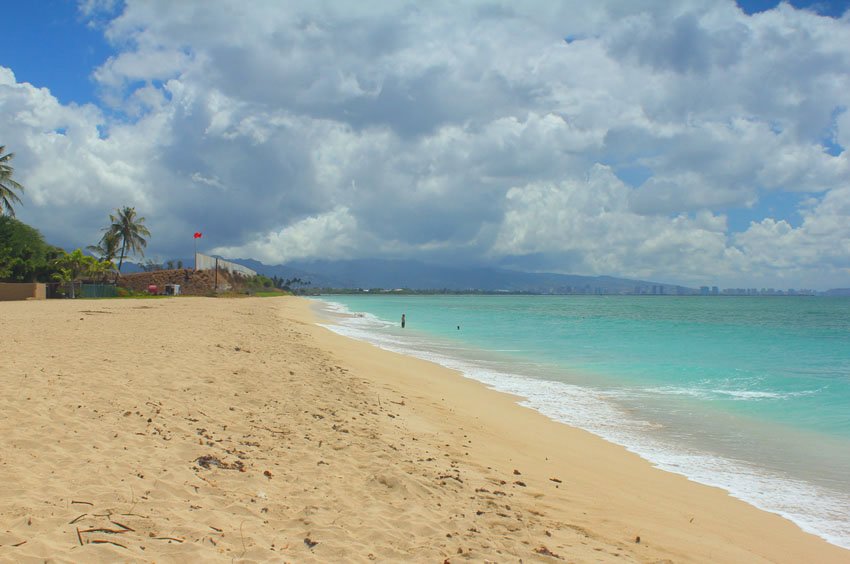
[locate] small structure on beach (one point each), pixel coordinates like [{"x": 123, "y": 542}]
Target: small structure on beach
[{"x": 22, "y": 291}]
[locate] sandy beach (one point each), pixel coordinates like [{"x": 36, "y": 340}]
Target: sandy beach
[{"x": 203, "y": 429}]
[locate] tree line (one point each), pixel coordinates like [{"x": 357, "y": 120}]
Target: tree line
[
  {"x": 26, "y": 257},
  {"x": 293, "y": 285}
]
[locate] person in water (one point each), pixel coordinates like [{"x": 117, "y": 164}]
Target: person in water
[{"x": 402, "y": 321}]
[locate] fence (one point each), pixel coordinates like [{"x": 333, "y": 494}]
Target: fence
[
  {"x": 97, "y": 291},
  {"x": 62, "y": 290},
  {"x": 206, "y": 262}
]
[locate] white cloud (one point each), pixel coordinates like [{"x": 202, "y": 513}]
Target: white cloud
[
  {"x": 842, "y": 129},
  {"x": 458, "y": 133},
  {"x": 89, "y": 7},
  {"x": 329, "y": 235},
  {"x": 208, "y": 180},
  {"x": 589, "y": 224},
  {"x": 819, "y": 248},
  {"x": 145, "y": 66}
]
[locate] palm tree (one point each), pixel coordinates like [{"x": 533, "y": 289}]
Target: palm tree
[
  {"x": 7, "y": 184},
  {"x": 74, "y": 266},
  {"x": 107, "y": 247},
  {"x": 130, "y": 230},
  {"x": 99, "y": 270}
]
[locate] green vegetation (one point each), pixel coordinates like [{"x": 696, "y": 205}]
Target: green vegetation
[
  {"x": 125, "y": 294},
  {"x": 107, "y": 248},
  {"x": 130, "y": 230},
  {"x": 271, "y": 293},
  {"x": 24, "y": 256},
  {"x": 263, "y": 286},
  {"x": 293, "y": 285},
  {"x": 259, "y": 281},
  {"x": 75, "y": 266},
  {"x": 8, "y": 186}
]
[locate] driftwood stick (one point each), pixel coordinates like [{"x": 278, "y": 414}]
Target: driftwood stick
[
  {"x": 79, "y": 536},
  {"x": 83, "y": 502},
  {"x": 104, "y": 541},
  {"x": 168, "y": 538},
  {"x": 78, "y": 518},
  {"x": 270, "y": 430},
  {"x": 122, "y": 525},
  {"x": 105, "y": 530}
]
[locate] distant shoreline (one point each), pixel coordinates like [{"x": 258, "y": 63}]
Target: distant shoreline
[{"x": 408, "y": 292}]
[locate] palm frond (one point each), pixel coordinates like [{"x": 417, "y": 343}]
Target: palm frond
[{"x": 8, "y": 185}]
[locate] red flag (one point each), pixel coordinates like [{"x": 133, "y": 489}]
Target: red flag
[{"x": 198, "y": 235}]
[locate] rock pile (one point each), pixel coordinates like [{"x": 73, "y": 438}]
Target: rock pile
[{"x": 192, "y": 282}]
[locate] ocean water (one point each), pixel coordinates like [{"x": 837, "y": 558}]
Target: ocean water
[{"x": 748, "y": 394}]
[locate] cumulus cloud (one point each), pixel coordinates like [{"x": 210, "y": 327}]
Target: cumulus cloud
[
  {"x": 596, "y": 138},
  {"x": 819, "y": 247},
  {"x": 588, "y": 224},
  {"x": 72, "y": 174},
  {"x": 329, "y": 235}
]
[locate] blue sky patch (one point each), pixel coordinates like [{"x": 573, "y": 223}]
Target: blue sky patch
[
  {"x": 831, "y": 8},
  {"x": 48, "y": 44}
]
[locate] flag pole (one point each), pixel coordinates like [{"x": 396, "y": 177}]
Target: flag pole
[{"x": 195, "y": 237}]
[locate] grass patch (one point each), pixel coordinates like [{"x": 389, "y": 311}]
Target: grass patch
[
  {"x": 134, "y": 297},
  {"x": 271, "y": 294}
]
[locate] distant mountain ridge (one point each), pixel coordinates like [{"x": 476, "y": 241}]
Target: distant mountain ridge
[
  {"x": 838, "y": 292},
  {"x": 415, "y": 275}
]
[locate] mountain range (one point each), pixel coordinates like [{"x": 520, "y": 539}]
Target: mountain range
[{"x": 415, "y": 275}]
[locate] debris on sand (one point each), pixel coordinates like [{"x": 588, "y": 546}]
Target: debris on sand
[{"x": 208, "y": 460}]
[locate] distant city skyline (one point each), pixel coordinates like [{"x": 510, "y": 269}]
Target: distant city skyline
[{"x": 700, "y": 142}]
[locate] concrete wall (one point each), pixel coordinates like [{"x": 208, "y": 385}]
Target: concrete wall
[
  {"x": 22, "y": 291},
  {"x": 206, "y": 262}
]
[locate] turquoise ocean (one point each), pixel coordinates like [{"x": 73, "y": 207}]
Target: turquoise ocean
[{"x": 748, "y": 394}]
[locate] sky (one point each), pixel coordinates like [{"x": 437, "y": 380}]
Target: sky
[{"x": 698, "y": 142}]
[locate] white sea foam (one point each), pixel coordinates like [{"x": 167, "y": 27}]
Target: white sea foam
[
  {"x": 714, "y": 393},
  {"x": 815, "y": 509}
]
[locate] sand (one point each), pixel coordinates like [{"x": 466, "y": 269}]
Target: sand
[{"x": 201, "y": 429}]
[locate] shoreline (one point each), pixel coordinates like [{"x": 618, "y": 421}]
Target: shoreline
[
  {"x": 317, "y": 448},
  {"x": 515, "y": 403},
  {"x": 791, "y": 497}
]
